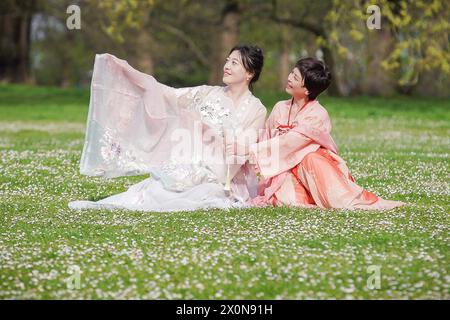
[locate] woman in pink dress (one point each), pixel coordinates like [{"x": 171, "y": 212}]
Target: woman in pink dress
[
  {"x": 296, "y": 155},
  {"x": 137, "y": 125}
]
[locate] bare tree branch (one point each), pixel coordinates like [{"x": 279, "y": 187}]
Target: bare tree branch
[
  {"x": 188, "y": 41},
  {"x": 300, "y": 23}
]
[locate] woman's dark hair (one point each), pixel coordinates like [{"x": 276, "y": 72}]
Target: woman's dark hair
[
  {"x": 316, "y": 76},
  {"x": 252, "y": 60}
]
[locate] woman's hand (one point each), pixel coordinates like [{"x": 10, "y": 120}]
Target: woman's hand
[
  {"x": 233, "y": 148},
  {"x": 235, "y": 152},
  {"x": 230, "y": 148}
]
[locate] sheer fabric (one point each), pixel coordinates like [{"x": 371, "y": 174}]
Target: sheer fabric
[{"x": 137, "y": 125}]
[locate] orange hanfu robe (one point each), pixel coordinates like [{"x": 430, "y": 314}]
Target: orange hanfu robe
[{"x": 300, "y": 165}]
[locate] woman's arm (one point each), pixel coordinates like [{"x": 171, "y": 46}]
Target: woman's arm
[
  {"x": 179, "y": 97},
  {"x": 237, "y": 145},
  {"x": 282, "y": 152}
]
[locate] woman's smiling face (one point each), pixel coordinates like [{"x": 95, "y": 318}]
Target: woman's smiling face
[
  {"x": 295, "y": 85},
  {"x": 234, "y": 71}
]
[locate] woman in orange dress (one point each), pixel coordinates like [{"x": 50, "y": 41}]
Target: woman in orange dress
[{"x": 296, "y": 155}]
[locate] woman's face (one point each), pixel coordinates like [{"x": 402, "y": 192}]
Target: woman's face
[
  {"x": 295, "y": 85},
  {"x": 234, "y": 71}
]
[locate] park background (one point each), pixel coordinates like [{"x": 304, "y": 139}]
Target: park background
[{"x": 390, "y": 111}]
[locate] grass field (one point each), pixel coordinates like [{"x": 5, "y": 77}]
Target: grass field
[{"x": 396, "y": 147}]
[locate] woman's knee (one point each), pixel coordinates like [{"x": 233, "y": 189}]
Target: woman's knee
[{"x": 311, "y": 158}]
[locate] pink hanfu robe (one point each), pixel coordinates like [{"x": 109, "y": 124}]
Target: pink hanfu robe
[
  {"x": 137, "y": 125},
  {"x": 300, "y": 165}
]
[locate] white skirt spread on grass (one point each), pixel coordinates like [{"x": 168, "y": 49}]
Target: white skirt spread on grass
[
  {"x": 131, "y": 126},
  {"x": 151, "y": 195}
]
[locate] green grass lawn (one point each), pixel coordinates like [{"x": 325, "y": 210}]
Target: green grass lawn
[{"x": 396, "y": 147}]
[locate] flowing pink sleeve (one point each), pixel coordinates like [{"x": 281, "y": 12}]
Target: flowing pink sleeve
[
  {"x": 271, "y": 122},
  {"x": 283, "y": 152},
  {"x": 317, "y": 127},
  {"x": 130, "y": 121},
  {"x": 276, "y": 155}
]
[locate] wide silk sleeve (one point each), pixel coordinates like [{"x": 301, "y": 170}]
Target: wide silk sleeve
[
  {"x": 283, "y": 152},
  {"x": 131, "y": 119},
  {"x": 249, "y": 135}
]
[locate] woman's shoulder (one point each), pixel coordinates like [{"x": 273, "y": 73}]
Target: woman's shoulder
[
  {"x": 319, "y": 109},
  {"x": 257, "y": 102},
  {"x": 319, "y": 113},
  {"x": 280, "y": 105},
  {"x": 258, "y": 107}
]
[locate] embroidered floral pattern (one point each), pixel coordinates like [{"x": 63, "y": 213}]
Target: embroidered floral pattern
[
  {"x": 181, "y": 176},
  {"x": 116, "y": 157},
  {"x": 213, "y": 113}
]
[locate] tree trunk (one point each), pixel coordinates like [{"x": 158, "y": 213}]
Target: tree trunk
[
  {"x": 143, "y": 53},
  {"x": 377, "y": 80},
  {"x": 328, "y": 58},
  {"x": 15, "y": 29},
  {"x": 284, "y": 63},
  {"x": 228, "y": 37}
]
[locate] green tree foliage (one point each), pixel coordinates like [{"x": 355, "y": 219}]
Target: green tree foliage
[
  {"x": 420, "y": 32},
  {"x": 183, "y": 42}
]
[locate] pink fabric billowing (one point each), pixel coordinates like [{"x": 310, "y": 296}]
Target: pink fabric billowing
[
  {"x": 137, "y": 125},
  {"x": 131, "y": 118}
]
